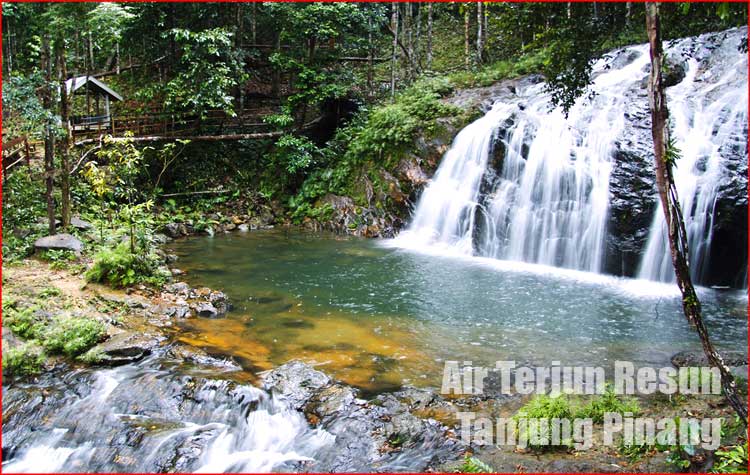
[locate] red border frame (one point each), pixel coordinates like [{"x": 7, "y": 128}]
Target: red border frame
[{"x": 336, "y": 1}]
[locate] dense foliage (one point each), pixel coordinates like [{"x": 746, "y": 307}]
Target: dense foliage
[{"x": 345, "y": 100}]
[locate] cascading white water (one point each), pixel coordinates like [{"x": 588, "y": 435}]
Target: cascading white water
[
  {"x": 447, "y": 210},
  {"x": 707, "y": 109},
  {"x": 548, "y": 201}
]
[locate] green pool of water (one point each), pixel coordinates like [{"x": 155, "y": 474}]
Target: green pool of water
[{"x": 378, "y": 317}]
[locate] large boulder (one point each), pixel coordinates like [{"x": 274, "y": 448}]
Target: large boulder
[{"x": 66, "y": 242}]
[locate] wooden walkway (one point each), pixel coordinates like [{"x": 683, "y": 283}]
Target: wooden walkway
[{"x": 156, "y": 126}]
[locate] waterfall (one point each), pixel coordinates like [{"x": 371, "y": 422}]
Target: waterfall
[
  {"x": 708, "y": 110},
  {"x": 547, "y": 199},
  {"x": 527, "y": 183}
]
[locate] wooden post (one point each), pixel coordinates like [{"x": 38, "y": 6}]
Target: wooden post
[
  {"x": 106, "y": 107},
  {"x": 28, "y": 153}
]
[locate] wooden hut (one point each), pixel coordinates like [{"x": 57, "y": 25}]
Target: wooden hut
[{"x": 95, "y": 92}]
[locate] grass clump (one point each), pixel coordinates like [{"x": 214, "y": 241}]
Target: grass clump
[
  {"x": 609, "y": 401},
  {"x": 72, "y": 336},
  {"x": 22, "y": 322},
  {"x": 119, "y": 267},
  {"x": 535, "y": 420},
  {"x": 23, "y": 360}
]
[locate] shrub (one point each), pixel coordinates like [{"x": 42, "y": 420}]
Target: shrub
[
  {"x": 72, "y": 336},
  {"x": 731, "y": 460},
  {"x": 22, "y": 322},
  {"x": 609, "y": 401},
  {"x": 120, "y": 268},
  {"x": 23, "y": 360},
  {"x": 474, "y": 465},
  {"x": 539, "y": 412}
]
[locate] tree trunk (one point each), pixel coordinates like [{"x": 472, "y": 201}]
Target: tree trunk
[
  {"x": 678, "y": 244},
  {"x": 370, "y": 53},
  {"x": 49, "y": 137},
  {"x": 485, "y": 28},
  {"x": 394, "y": 52},
  {"x": 253, "y": 24},
  {"x": 418, "y": 40},
  {"x": 406, "y": 40},
  {"x": 467, "y": 42},
  {"x": 429, "y": 35},
  {"x": 480, "y": 32},
  {"x": 65, "y": 140},
  {"x": 276, "y": 86},
  {"x": 628, "y": 12}
]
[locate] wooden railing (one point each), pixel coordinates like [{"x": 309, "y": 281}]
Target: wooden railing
[
  {"x": 249, "y": 120},
  {"x": 15, "y": 152}
]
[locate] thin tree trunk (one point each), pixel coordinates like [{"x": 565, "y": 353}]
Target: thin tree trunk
[
  {"x": 628, "y": 12},
  {"x": 49, "y": 138},
  {"x": 429, "y": 35},
  {"x": 370, "y": 53},
  {"x": 467, "y": 42},
  {"x": 394, "y": 52},
  {"x": 253, "y": 23},
  {"x": 276, "y": 86},
  {"x": 485, "y": 29},
  {"x": 418, "y": 40},
  {"x": 407, "y": 40},
  {"x": 240, "y": 18},
  {"x": 65, "y": 140},
  {"x": 678, "y": 243},
  {"x": 480, "y": 33}
]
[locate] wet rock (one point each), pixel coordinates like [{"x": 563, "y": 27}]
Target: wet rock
[
  {"x": 206, "y": 310},
  {"x": 170, "y": 310},
  {"x": 193, "y": 355},
  {"x": 160, "y": 238},
  {"x": 674, "y": 70},
  {"x": 65, "y": 242},
  {"x": 126, "y": 347},
  {"x": 686, "y": 359},
  {"x": 296, "y": 382},
  {"x": 330, "y": 401},
  {"x": 176, "y": 230},
  {"x": 220, "y": 301},
  {"x": 375, "y": 434},
  {"x": 178, "y": 288},
  {"x": 229, "y": 227},
  {"x": 243, "y": 228},
  {"x": 170, "y": 258}
]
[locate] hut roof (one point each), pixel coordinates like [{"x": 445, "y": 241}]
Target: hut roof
[{"x": 93, "y": 85}]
